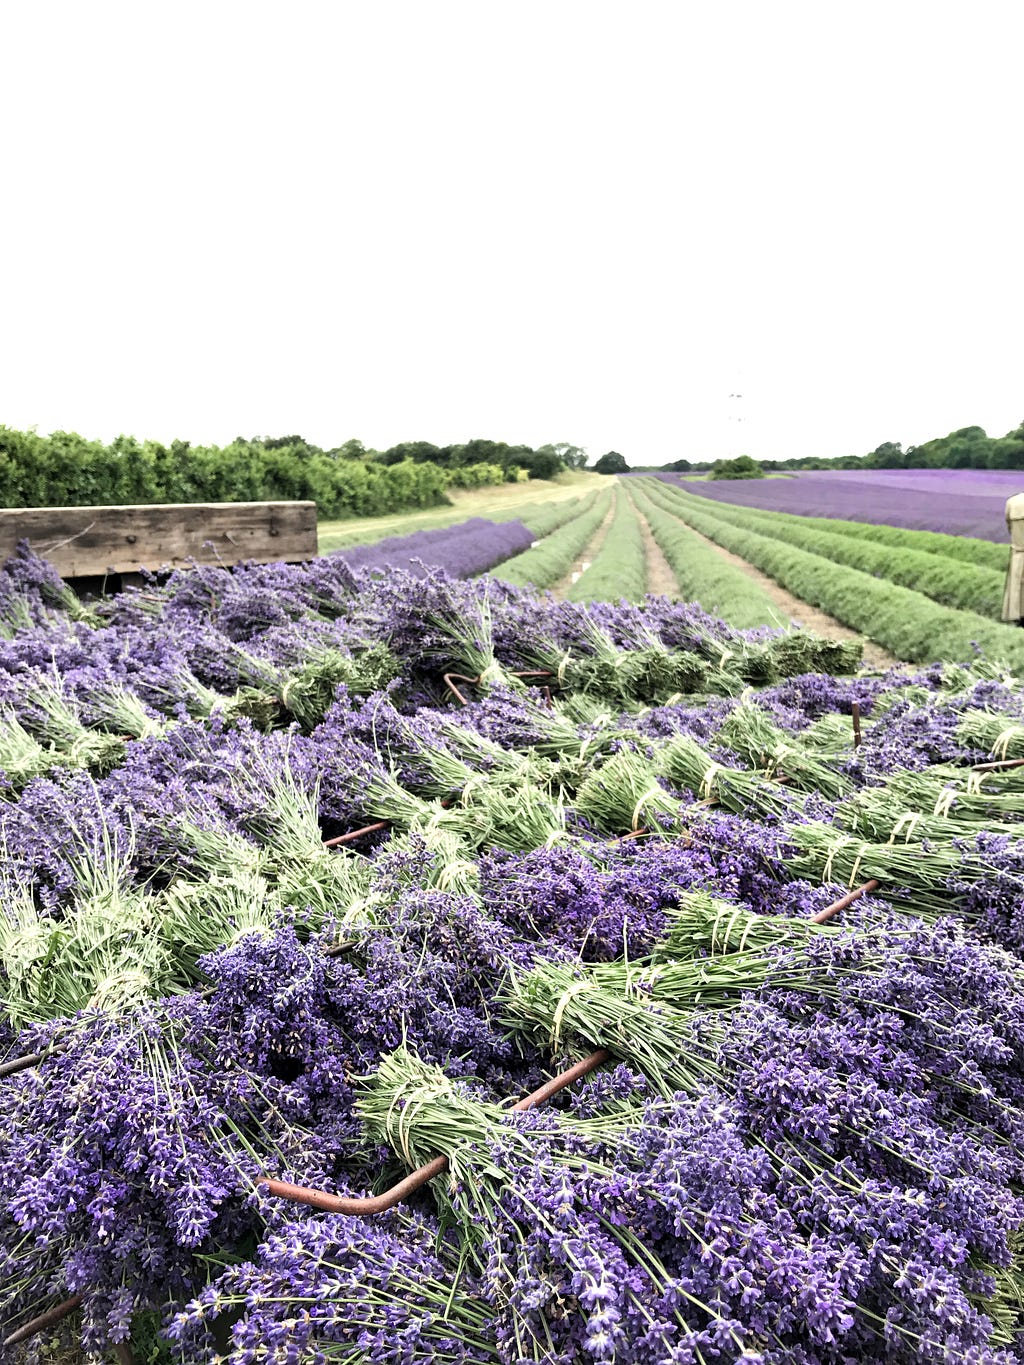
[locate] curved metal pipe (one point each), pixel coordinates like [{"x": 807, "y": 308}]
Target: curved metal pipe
[
  {"x": 377, "y": 1203},
  {"x": 355, "y": 834},
  {"x": 44, "y": 1320},
  {"x": 21, "y": 1063},
  {"x": 843, "y": 902}
]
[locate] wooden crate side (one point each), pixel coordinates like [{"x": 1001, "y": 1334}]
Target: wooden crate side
[{"x": 81, "y": 541}]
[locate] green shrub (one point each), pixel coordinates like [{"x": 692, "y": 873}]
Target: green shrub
[
  {"x": 703, "y": 575},
  {"x": 619, "y": 568},
  {"x": 953, "y": 583},
  {"x": 907, "y": 623},
  {"x": 64, "y": 470},
  {"x": 552, "y": 559},
  {"x": 743, "y": 467}
]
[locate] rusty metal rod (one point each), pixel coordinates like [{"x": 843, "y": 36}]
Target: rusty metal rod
[
  {"x": 356, "y": 833},
  {"x": 22, "y": 1063},
  {"x": 855, "y": 710},
  {"x": 994, "y": 767},
  {"x": 377, "y": 1203},
  {"x": 633, "y": 834},
  {"x": 843, "y": 902},
  {"x": 44, "y": 1320},
  {"x": 462, "y": 677},
  {"x": 563, "y": 1079}
]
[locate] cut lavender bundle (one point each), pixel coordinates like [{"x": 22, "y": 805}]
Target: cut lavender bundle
[
  {"x": 749, "y": 732},
  {"x": 687, "y": 766}
]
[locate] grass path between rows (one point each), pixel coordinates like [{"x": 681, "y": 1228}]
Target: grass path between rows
[
  {"x": 660, "y": 578},
  {"x": 792, "y": 608},
  {"x": 587, "y": 555},
  {"x": 500, "y": 501}
]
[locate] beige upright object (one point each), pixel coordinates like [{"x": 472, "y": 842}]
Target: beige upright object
[{"x": 1013, "y": 595}]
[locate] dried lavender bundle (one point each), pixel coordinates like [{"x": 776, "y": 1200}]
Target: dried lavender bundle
[
  {"x": 683, "y": 761},
  {"x": 699, "y": 924},
  {"x": 591, "y": 1274},
  {"x": 749, "y": 732},
  {"x": 623, "y": 793},
  {"x": 885, "y": 815},
  {"x": 54, "y": 718},
  {"x": 1001, "y": 736},
  {"x": 794, "y": 1055},
  {"x": 960, "y": 794},
  {"x": 23, "y": 756}
]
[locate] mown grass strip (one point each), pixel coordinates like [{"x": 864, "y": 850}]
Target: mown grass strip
[
  {"x": 952, "y": 583},
  {"x": 552, "y": 559},
  {"x": 969, "y": 549},
  {"x": 541, "y": 518},
  {"x": 549, "y": 516},
  {"x": 907, "y": 623},
  {"x": 985, "y": 554},
  {"x": 619, "y": 569},
  {"x": 702, "y": 574}
]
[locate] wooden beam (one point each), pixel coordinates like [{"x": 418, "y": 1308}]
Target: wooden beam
[{"x": 82, "y": 541}]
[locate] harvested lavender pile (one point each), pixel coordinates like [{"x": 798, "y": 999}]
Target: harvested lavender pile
[{"x": 311, "y": 873}]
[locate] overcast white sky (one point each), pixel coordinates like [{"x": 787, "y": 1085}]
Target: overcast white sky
[{"x": 534, "y": 221}]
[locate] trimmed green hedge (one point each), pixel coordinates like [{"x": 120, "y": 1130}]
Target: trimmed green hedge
[
  {"x": 619, "y": 568},
  {"x": 552, "y": 559},
  {"x": 703, "y": 575},
  {"x": 545, "y": 517},
  {"x": 985, "y": 553},
  {"x": 953, "y": 583},
  {"x": 907, "y": 623}
]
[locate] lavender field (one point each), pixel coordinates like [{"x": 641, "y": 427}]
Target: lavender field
[
  {"x": 960, "y": 502},
  {"x": 469, "y": 548},
  {"x": 314, "y": 874},
  {"x": 286, "y": 919}
]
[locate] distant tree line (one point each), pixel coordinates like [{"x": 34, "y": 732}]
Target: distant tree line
[
  {"x": 66, "y": 470},
  {"x": 544, "y": 462},
  {"x": 965, "y": 448}
]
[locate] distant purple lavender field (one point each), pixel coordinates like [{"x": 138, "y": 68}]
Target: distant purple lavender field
[
  {"x": 464, "y": 550},
  {"x": 961, "y": 502}
]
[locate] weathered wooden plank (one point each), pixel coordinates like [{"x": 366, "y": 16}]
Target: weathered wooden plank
[{"x": 82, "y": 541}]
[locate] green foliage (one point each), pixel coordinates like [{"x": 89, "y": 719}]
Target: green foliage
[
  {"x": 611, "y": 463},
  {"x": 552, "y": 559},
  {"x": 743, "y": 467},
  {"x": 545, "y": 517},
  {"x": 65, "y": 470},
  {"x": 907, "y": 623},
  {"x": 984, "y": 553},
  {"x": 965, "y": 448},
  {"x": 702, "y": 574},
  {"x": 475, "y": 475},
  {"x": 619, "y": 568},
  {"x": 573, "y": 457},
  {"x": 969, "y": 587},
  {"x": 543, "y": 463}
]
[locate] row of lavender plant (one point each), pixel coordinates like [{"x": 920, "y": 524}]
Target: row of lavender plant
[
  {"x": 806, "y": 1147},
  {"x": 948, "y": 501},
  {"x": 906, "y": 621}
]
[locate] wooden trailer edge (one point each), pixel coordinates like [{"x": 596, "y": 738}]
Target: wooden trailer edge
[{"x": 83, "y": 542}]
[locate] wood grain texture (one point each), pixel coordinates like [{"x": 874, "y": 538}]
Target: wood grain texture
[{"x": 79, "y": 541}]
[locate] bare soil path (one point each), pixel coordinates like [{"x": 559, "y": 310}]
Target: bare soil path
[
  {"x": 660, "y": 578},
  {"x": 793, "y": 608},
  {"x": 588, "y": 555}
]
